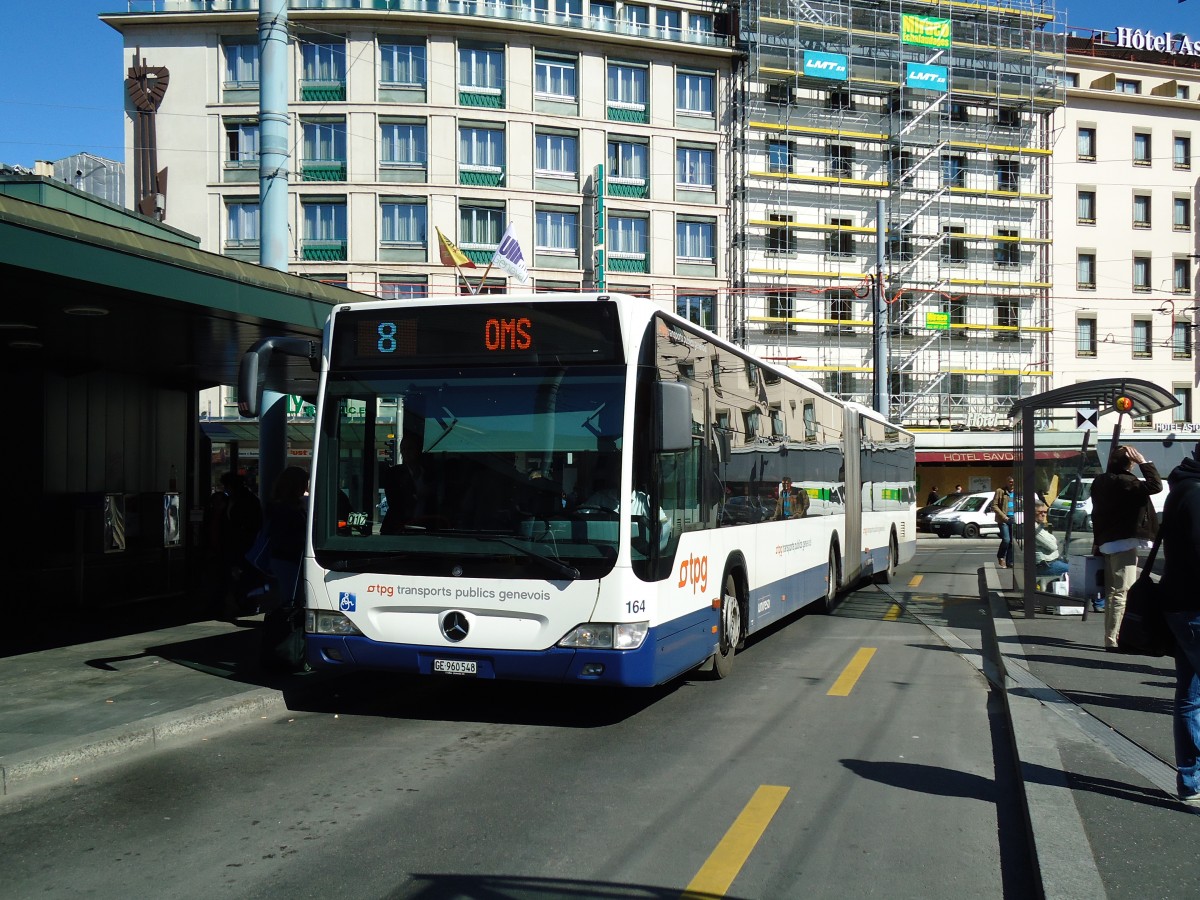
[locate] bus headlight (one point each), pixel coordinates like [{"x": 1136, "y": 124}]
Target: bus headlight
[
  {"x": 318, "y": 621},
  {"x": 607, "y": 636}
]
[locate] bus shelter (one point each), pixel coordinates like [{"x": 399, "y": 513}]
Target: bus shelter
[{"x": 1063, "y": 480}]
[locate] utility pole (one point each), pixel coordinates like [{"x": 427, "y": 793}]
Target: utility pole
[{"x": 879, "y": 336}]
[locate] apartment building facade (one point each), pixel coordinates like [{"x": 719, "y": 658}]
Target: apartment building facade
[
  {"x": 1124, "y": 209},
  {"x": 410, "y": 116}
]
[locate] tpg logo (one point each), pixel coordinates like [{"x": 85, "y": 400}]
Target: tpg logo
[{"x": 695, "y": 571}]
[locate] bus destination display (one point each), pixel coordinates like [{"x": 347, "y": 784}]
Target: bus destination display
[{"x": 499, "y": 334}]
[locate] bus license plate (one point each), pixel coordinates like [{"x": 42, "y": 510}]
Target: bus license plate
[{"x": 455, "y": 666}]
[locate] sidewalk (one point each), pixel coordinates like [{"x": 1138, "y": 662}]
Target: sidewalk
[{"x": 65, "y": 708}]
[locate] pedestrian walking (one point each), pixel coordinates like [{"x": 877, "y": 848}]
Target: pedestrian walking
[
  {"x": 1123, "y": 521},
  {"x": 1002, "y": 509},
  {"x": 1181, "y": 606}
]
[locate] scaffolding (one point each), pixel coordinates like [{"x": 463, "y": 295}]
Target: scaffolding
[{"x": 943, "y": 110}]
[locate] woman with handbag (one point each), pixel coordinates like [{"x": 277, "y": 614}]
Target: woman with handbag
[{"x": 1181, "y": 606}]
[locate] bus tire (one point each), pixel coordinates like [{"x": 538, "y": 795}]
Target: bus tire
[
  {"x": 832, "y": 579},
  {"x": 730, "y": 629},
  {"x": 888, "y": 574}
]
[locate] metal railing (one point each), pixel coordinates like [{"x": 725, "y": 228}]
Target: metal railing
[{"x": 511, "y": 10}]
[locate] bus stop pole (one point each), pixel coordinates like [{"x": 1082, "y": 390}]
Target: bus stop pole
[{"x": 1028, "y": 460}]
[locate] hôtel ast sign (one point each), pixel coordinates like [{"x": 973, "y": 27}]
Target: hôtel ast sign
[{"x": 1176, "y": 43}]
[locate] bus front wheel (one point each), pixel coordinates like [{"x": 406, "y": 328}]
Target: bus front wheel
[
  {"x": 730, "y": 629},
  {"x": 888, "y": 573},
  {"x": 829, "y": 601}
]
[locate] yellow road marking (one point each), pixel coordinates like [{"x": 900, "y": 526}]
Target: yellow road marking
[
  {"x": 893, "y": 613},
  {"x": 850, "y": 675},
  {"x": 915, "y": 580},
  {"x": 724, "y": 863}
]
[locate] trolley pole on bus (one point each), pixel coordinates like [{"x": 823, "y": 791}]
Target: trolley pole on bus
[{"x": 879, "y": 338}]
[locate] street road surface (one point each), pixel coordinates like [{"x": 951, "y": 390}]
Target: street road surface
[{"x": 851, "y": 755}]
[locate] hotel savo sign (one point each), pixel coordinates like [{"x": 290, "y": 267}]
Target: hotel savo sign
[{"x": 1176, "y": 43}]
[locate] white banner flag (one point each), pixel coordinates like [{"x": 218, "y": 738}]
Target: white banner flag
[{"x": 509, "y": 257}]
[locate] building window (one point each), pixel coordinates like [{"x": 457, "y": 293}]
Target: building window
[
  {"x": 1181, "y": 213},
  {"x": 1128, "y": 86},
  {"x": 241, "y": 64},
  {"x": 241, "y": 145},
  {"x": 954, "y": 248},
  {"x": 1182, "y": 92},
  {"x": 628, "y": 168},
  {"x": 1143, "y": 347},
  {"x": 402, "y": 287},
  {"x": 324, "y": 150},
  {"x": 1007, "y": 318},
  {"x": 481, "y": 155},
  {"x": 1008, "y": 248},
  {"x": 700, "y": 26},
  {"x": 954, "y": 171},
  {"x": 556, "y": 231},
  {"x": 403, "y": 144},
  {"x": 779, "y": 306},
  {"x": 403, "y": 222},
  {"x": 779, "y": 237},
  {"x": 324, "y": 71},
  {"x": 556, "y": 155},
  {"x": 242, "y": 224},
  {"x": 1182, "y": 158},
  {"x": 324, "y": 235},
  {"x": 779, "y": 157},
  {"x": 841, "y": 99},
  {"x": 694, "y": 93},
  {"x": 841, "y": 161},
  {"x": 603, "y": 14},
  {"x": 1008, "y": 175},
  {"x": 1068, "y": 79},
  {"x": 694, "y": 168},
  {"x": 1141, "y": 273},
  {"x": 695, "y": 241},
  {"x": 900, "y": 166},
  {"x": 628, "y": 235},
  {"x": 401, "y": 63},
  {"x": 1181, "y": 340},
  {"x": 1085, "y": 337},
  {"x": 668, "y": 23},
  {"x": 1183, "y": 412},
  {"x": 841, "y": 309},
  {"x": 1085, "y": 207},
  {"x": 1085, "y": 271},
  {"x": 1141, "y": 210},
  {"x": 1181, "y": 276},
  {"x": 1141, "y": 149},
  {"x": 1085, "y": 144},
  {"x": 481, "y": 227},
  {"x": 635, "y": 18},
  {"x": 841, "y": 239},
  {"x": 1008, "y": 116},
  {"x": 554, "y": 77},
  {"x": 627, "y": 92},
  {"x": 698, "y": 309},
  {"x": 481, "y": 77}
]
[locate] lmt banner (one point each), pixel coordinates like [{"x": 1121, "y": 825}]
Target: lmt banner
[{"x": 925, "y": 31}]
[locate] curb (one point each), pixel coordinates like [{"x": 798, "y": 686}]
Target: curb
[
  {"x": 1056, "y": 831},
  {"x": 25, "y": 771}
]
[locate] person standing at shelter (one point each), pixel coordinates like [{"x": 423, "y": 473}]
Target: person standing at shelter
[
  {"x": 1181, "y": 605},
  {"x": 1123, "y": 521},
  {"x": 1002, "y": 509}
]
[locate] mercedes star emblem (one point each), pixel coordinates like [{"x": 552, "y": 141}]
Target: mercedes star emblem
[{"x": 455, "y": 626}]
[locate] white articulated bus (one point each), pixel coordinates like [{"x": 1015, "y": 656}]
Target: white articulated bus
[{"x": 576, "y": 488}]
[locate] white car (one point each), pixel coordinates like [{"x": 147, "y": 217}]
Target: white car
[
  {"x": 1082, "y": 519},
  {"x": 969, "y": 517}
]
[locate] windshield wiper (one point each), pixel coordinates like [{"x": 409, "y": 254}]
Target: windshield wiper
[
  {"x": 359, "y": 563},
  {"x": 553, "y": 565}
]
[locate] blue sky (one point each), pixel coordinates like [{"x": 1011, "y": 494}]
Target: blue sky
[{"x": 53, "y": 104}]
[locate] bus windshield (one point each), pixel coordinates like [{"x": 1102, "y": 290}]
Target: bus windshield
[{"x": 469, "y": 471}]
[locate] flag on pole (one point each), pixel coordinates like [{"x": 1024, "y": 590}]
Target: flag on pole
[
  {"x": 509, "y": 257},
  {"x": 450, "y": 254}
]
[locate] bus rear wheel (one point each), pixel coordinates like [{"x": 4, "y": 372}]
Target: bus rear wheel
[
  {"x": 730, "y": 629},
  {"x": 888, "y": 574}
]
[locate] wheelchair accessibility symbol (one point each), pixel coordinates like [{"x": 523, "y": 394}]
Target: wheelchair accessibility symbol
[{"x": 347, "y": 602}]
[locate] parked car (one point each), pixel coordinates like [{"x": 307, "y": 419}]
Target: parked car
[
  {"x": 925, "y": 513},
  {"x": 746, "y": 510},
  {"x": 968, "y": 517}
]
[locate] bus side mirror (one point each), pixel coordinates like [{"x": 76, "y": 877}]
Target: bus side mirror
[
  {"x": 256, "y": 361},
  {"x": 673, "y": 416}
]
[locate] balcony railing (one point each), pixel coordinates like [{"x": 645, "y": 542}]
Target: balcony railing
[{"x": 512, "y": 10}]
